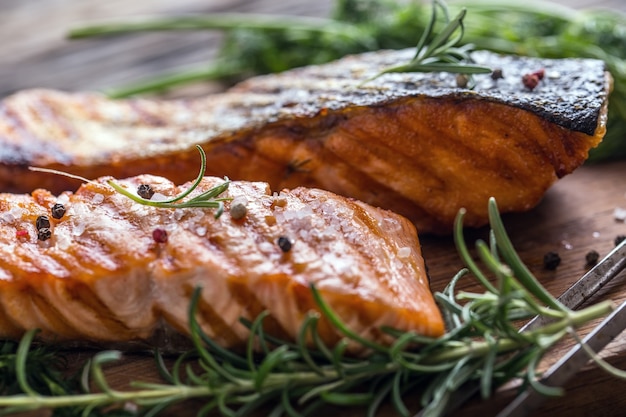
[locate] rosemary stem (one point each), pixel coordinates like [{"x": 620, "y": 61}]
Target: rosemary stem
[
  {"x": 209, "y": 72},
  {"x": 40, "y": 401},
  {"x": 225, "y": 21},
  {"x": 480, "y": 348}
]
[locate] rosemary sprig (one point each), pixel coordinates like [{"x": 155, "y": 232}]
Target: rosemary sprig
[
  {"x": 441, "y": 52},
  {"x": 207, "y": 199},
  {"x": 298, "y": 377}
]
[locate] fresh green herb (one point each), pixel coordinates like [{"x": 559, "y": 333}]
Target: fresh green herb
[
  {"x": 482, "y": 345},
  {"x": 441, "y": 52},
  {"x": 207, "y": 199},
  {"x": 259, "y": 44}
]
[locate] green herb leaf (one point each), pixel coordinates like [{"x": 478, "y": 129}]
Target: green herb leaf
[{"x": 205, "y": 200}]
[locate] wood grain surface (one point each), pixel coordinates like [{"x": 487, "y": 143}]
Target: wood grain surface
[{"x": 576, "y": 215}]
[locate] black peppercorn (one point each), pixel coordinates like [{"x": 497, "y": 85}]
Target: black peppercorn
[
  {"x": 284, "y": 243},
  {"x": 592, "y": 257},
  {"x": 551, "y": 260},
  {"x": 497, "y": 74},
  {"x": 43, "y": 222},
  {"x": 619, "y": 239},
  {"x": 58, "y": 210},
  {"x": 44, "y": 234},
  {"x": 145, "y": 191}
]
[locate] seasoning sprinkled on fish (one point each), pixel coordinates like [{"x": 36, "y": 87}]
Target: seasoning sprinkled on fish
[{"x": 115, "y": 271}]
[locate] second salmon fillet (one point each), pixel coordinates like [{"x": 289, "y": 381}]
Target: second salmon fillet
[{"x": 413, "y": 143}]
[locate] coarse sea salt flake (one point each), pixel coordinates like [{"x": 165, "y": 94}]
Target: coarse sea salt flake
[
  {"x": 159, "y": 197},
  {"x": 62, "y": 239},
  {"x": 178, "y": 214},
  {"x": 98, "y": 198},
  {"x": 79, "y": 229},
  {"x": 63, "y": 199},
  {"x": 266, "y": 247},
  {"x": 16, "y": 212},
  {"x": 7, "y": 217},
  {"x": 404, "y": 252},
  {"x": 619, "y": 214}
]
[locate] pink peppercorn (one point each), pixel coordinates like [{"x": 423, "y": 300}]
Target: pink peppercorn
[
  {"x": 540, "y": 73},
  {"x": 159, "y": 235},
  {"x": 530, "y": 81}
]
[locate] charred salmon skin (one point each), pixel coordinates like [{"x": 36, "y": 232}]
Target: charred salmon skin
[
  {"x": 415, "y": 143},
  {"x": 109, "y": 269}
]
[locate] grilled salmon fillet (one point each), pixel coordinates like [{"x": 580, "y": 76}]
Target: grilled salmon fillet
[
  {"x": 414, "y": 143},
  {"x": 113, "y": 270}
]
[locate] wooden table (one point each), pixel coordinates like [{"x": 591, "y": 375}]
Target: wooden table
[{"x": 576, "y": 215}]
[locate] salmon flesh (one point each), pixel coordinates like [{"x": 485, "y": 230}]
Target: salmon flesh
[
  {"x": 115, "y": 271},
  {"x": 415, "y": 143}
]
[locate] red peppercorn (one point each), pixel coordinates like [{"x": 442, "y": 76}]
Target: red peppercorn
[
  {"x": 159, "y": 235},
  {"x": 21, "y": 233},
  {"x": 539, "y": 73},
  {"x": 530, "y": 81}
]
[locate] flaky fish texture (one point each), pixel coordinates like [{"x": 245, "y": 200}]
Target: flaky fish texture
[
  {"x": 106, "y": 276},
  {"x": 414, "y": 143}
]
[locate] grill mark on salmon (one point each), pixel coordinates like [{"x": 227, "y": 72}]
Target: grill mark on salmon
[
  {"x": 413, "y": 143},
  {"x": 102, "y": 278}
]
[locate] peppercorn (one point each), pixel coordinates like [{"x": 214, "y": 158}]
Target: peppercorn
[
  {"x": 238, "y": 209},
  {"x": 159, "y": 235},
  {"x": 551, "y": 260},
  {"x": 530, "y": 81},
  {"x": 497, "y": 74},
  {"x": 619, "y": 239},
  {"x": 58, "y": 210},
  {"x": 42, "y": 222},
  {"x": 540, "y": 73},
  {"x": 462, "y": 80},
  {"x": 592, "y": 257},
  {"x": 284, "y": 244},
  {"x": 145, "y": 191},
  {"x": 44, "y": 234}
]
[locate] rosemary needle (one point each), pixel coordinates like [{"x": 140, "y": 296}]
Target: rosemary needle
[
  {"x": 207, "y": 199},
  {"x": 441, "y": 52}
]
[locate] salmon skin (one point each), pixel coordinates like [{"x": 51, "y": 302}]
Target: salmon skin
[
  {"x": 413, "y": 142},
  {"x": 105, "y": 275}
]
